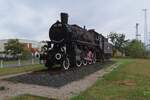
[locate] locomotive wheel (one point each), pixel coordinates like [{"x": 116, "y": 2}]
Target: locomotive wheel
[
  {"x": 84, "y": 62},
  {"x": 66, "y": 63},
  {"x": 94, "y": 59},
  {"x": 78, "y": 63},
  {"x": 90, "y": 62},
  {"x": 49, "y": 65}
]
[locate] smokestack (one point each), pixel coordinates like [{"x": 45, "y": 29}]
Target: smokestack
[
  {"x": 84, "y": 27},
  {"x": 64, "y": 18}
]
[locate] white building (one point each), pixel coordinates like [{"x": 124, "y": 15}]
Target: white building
[
  {"x": 2, "y": 45},
  {"x": 33, "y": 44}
]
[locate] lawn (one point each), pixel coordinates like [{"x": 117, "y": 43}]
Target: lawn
[
  {"x": 130, "y": 81},
  {"x": 15, "y": 70},
  {"x": 21, "y": 61},
  {"x": 29, "y": 97}
]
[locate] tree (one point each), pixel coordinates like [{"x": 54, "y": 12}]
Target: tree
[
  {"x": 135, "y": 49},
  {"x": 118, "y": 41},
  {"x": 13, "y": 47},
  {"x": 26, "y": 53}
]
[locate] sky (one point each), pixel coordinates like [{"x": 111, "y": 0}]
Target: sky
[{"x": 31, "y": 19}]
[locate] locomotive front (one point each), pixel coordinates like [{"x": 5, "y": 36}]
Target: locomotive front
[
  {"x": 56, "y": 49},
  {"x": 59, "y": 31}
]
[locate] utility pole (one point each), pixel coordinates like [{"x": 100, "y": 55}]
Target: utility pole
[
  {"x": 137, "y": 31},
  {"x": 145, "y": 27}
]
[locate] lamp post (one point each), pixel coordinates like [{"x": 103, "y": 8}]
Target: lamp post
[
  {"x": 32, "y": 58},
  {"x": 1, "y": 63},
  {"x": 145, "y": 27},
  {"x": 19, "y": 61}
]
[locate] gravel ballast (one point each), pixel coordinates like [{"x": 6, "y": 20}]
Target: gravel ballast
[{"x": 58, "y": 78}]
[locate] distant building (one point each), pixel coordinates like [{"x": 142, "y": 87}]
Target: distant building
[
  {"x": 2, "y": 45},
  {"x": 34, "y": 46}
]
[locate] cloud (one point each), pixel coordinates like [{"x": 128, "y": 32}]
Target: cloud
[{"x": 31, "y": 19}]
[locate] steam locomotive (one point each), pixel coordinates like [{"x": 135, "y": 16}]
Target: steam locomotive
[{"x": 72, "y": 45}]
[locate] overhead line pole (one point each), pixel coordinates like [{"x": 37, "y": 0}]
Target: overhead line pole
[
  {"x": 145, "y": 27},
  {"x": 137, "y": 31}
]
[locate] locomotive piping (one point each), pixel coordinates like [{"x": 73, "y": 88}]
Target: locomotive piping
[{"x": 58, "y": 41}]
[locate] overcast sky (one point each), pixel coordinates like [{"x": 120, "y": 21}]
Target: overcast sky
[{"x": 31, "y": 19}]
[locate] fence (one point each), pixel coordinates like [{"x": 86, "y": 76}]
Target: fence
[{"x": 18, "y": 62}]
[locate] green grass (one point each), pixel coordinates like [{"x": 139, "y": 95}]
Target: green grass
[
  {"x": 130, "y": 81},
  {"x": 30, "y": 97},
  {"x": 21, "y": 61},
  {"x": 10, "y": 62},
  {"x": 15, "y": 70}
]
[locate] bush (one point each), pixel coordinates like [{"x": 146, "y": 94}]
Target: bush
[
  {"x": 2, "y": 88},
  {"x": 135, "y": 49},
  {"x": 26, "y": 54}
]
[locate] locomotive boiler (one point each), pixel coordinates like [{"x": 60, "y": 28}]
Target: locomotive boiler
[{"x": 72, "y": 45}]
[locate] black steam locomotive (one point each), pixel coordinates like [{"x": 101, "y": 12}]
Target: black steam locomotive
[{"x": 72, "y": 45}]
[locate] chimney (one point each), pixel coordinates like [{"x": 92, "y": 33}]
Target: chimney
[
  {"x": 64, "y": 18},
  {"x": 84, "y": 27}
]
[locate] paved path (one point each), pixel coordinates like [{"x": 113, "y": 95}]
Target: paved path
[{"x": 62, "y": 93}]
